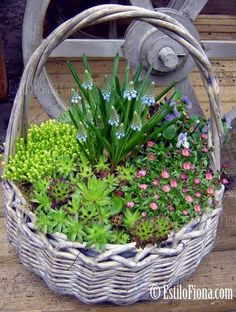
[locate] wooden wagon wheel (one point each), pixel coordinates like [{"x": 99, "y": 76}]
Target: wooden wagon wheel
[{"x": 174, "y": 63}]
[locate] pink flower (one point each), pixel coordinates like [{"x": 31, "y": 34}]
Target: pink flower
[
  {"x": 197, "y": 194},
  {"x": 192, "y": 167},
  {"x": 151, "y": 157},
  {"x": 187, "y": 166},
  {"x": 209, "y": 176},
  {"x": 165, "y": 174},
  {"x": 173, "y": 183},
  {"x": 189, "y": 198},
  {"x": 171, "y": 208},
  {"x": 210, "y": 191},
  {"x": 204, "y": 150},
  {"x": 153, "y": 206},
  {"x": 225, "y": 181},
  {"x": 150, "y": 143},
  {"x": 197, "y": 181},
  {"x": 143, "y": 187},
  {"x": 130, "y": 204},
  {"x": 166, "y": 188},
  {"x": 185, "y": 212},
  {"x": 197, "y": 208},
  {"x": 183, "y": 177},
  {"x": 119, "y": 193},
  {"x": 141, "y": 173},
  {"x": 184, "y": 190},
  {"x": 204, "y": 136},
  {"x": 185, "y": 152},
  {"x": 155, "y": 182},
  {"x": 144, "y": 214},
  {"x": 157, "y": 196}
]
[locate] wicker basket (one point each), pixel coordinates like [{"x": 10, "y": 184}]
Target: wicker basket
[{"x": 122, "y": 274}]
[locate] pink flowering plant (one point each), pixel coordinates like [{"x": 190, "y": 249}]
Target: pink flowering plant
[
  {"x": 179, "y": 183},
  {"x": 121, "y": 165}
]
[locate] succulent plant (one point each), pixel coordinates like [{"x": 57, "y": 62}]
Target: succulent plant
[
  {"x": 144, "y": 232},
  {"x": 59, "y": 191},
  {"x": 120, "y": 237},
  {"x": 163, "y": 228},
  {"x": 98, "y": 235},
  {"x": 43, "y": 222},
  {"x": 87, "y": 213},
  {"x": 117, "y": 220},
  {"x": 130, "y": 218},
  {"x": 59, "y": 220},
  {"x": 75, "y": 230},
  {"x": 95, "y": 191}
]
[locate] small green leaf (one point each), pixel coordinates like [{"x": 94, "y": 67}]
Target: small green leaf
[
  {"x": 117, "y": 205},
  {"x": 170, "y": 132}
]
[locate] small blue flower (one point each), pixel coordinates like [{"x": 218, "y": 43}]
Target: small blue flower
[
  {"x": 148, "y": 100},
  {"x": 131, "y": 93},
  {"x": 106, "y": 91},
  {"x": 88, "y": 81},
  {"x": 75, "y": 97},
  {"x": 88, "y": 85},
  {"x": 82, "y": 133},
  {"x": 106, "y": 95},
  {"x": 114, "y": 117},
  {"x": 120, "y": 132},
  {"x": 136, "y": 124}
]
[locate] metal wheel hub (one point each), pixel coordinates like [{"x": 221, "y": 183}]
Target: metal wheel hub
[{"x": 147, "y": 45}]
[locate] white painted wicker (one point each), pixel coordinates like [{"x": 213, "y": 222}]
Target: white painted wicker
[{"x": 122, "y": 274}]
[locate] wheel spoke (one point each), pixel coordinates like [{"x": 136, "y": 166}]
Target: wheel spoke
[
  {"x": 191, "y": 8},
  {"x": 147, "y": 4}
]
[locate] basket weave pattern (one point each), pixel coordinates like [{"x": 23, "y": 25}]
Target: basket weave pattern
[{"x": 122, "y": 274}]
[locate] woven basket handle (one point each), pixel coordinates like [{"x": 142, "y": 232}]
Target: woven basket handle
[{"x": 18, "y": 123}]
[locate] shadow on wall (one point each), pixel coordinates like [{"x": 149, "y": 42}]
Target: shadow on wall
[
  {"x": 229, "y": 154},
  {"x": 11, "y": 20}
]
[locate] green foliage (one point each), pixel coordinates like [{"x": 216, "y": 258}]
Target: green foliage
[
  {"x": 115, "y": 119},
  {"x": 42, "y": 200},
  {"x": 95, "y": 191},
  {"x": 43, "y": 222},
  {"x": 126, "y": 173},
  {"x": 130, "y": 217},
  {"x": 98, "y": 235},
  {"x": 120, "y": 237},
  {"x": 66, "y": 166},
  {"x": 59, "y": 189},
  {"x": 88, "y": 213},
  {"x": 163, "y": 227},
  {"x": 46, "y": 145},
  {"x": 170, "y": 132},
  {"x": 75, "y": 230},
  {"x": 59, "y": 220},
  {"x": 144, "y": 231}
]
